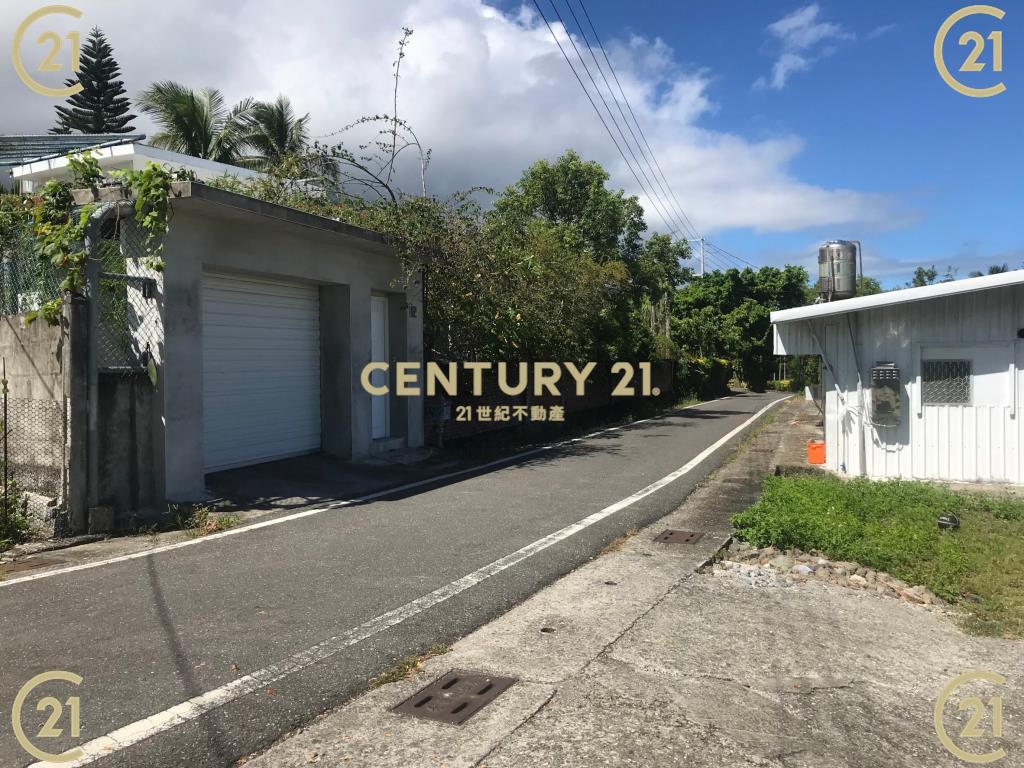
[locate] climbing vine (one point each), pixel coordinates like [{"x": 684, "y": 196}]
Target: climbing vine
[
  {"x": 60, "y": 231},
  {"x": 151, "y": 190},
  {"x": 60, "y": 240}
]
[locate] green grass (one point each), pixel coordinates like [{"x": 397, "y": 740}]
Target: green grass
[{"x": 891, "y": 526}]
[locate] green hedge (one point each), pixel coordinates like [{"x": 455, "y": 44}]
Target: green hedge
[{"x": 706, "y": 377}]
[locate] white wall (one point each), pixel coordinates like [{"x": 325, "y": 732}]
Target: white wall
[
  {"x": 982, "y": 441},
  {"x": 135, "y": 156}
]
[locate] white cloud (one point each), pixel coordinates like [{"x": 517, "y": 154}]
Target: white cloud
[
  {"x": 488, "y": 90},
  {"x": 799, "y": 37},
  {"x": 877, "y": 32}
]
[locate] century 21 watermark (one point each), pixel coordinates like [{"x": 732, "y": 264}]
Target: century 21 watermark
[
  {"x": 984, "y": 726},
  {"x": 984, "y": 52},
  {"x": 540, "y": 379},
  {"x": 63, "y": 715},
  {"x": 61, "y": 53}
]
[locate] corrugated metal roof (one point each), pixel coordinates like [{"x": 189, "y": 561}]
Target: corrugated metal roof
[
  {"x": 861, "y": 303},
  {"x": 16, "y": 150}
]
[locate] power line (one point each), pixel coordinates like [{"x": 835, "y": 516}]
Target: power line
[
  {"x": 662, "y": 199},
  {"x": 674, "y": 216},
  {"x": 720, "y": 256},
  {"x": 604, "y": 101},
  {"x": 725, "y": 256},
  {"x": 691, "y": 229},
  {"x": 734, "y": 257}
]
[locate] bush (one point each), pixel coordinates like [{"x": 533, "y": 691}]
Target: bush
[
  {"x": 706, "y": 377},
  {"x": 891, "y": 526},
  {"x": 15, "y": 525},
  {"x": 782, "y": 385}
]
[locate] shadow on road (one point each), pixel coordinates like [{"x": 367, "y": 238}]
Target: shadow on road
[
  {"x": 321, "y": 480},
  {"x": 216, "y": 742}
]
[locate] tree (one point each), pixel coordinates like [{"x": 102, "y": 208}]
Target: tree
[
  {"x": 372, "y": 168},
  {"x": 994, "y": 269},
  {"x": 197, "y": 123},
  {"x": 570, "y": 194},
  {"x": 868, "y": 286},
  {"x": 924, "y": 276},
  {"x": 273, "y": 132},
  {"x": 101, "y": 106},
  {"x": 727, "y": 315}
]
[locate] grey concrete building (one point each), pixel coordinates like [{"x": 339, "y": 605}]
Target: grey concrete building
[
  {"x": 246, "y": 348},
  {"x": 268, "y": 317}
]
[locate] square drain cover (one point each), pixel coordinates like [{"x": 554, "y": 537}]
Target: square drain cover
[
  {"x": 678, "y": 537},
  {"x": 455, "y": 697}
]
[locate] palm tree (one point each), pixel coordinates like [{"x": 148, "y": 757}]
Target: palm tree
[
  {"x": 197, "y": 123},
  {"x": 273, "y": 133}
]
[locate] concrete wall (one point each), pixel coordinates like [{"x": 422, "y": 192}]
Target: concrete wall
[
  {"x": 212, "y": 237},
  {"x": 127, "y": 482},
  {"x": 983, "y": 441},
  {"x": 35, "y": 358},
  {"x": 35, "y": 369}
]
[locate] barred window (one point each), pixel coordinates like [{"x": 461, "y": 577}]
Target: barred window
[{"x": 946, "y": 382}]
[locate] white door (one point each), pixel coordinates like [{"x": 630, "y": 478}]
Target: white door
[
  {"x": 379, "y": 354},
  {"x": 261, "y": 370}
]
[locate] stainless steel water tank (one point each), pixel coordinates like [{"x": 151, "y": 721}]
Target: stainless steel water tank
[{"x": 837, "y": 270}]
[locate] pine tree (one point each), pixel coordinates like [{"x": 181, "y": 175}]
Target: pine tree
[{"x": 101, "y": 106}]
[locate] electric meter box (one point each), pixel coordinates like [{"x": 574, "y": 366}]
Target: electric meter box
[{"x": 885, "y": 395}]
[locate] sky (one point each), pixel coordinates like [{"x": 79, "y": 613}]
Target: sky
[{"x": 777, "y": 125}]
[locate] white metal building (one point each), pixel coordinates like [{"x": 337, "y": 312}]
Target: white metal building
[{"x": 920, "y": 383}]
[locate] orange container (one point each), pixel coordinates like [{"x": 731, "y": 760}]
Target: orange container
[{"x": 815, "y": 451}]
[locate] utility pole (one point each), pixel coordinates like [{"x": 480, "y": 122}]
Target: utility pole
[{"x": 701, "y": 241}]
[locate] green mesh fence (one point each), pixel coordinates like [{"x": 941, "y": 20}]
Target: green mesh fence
[
  {"x": 129, "y": 329},
  {"x": 26, "y": 283}
]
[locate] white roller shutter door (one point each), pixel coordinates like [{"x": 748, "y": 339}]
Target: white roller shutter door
[{"x": 261, "y": 370}]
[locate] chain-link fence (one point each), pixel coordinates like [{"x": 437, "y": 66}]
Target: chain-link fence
[
  {"x": 33, "y": 444},
  {"x": 124, "y": 333},
  {"x": 26, "y": 281},
  {"x": 33, "y": 420},
  {"x": 128, "y": 328}
]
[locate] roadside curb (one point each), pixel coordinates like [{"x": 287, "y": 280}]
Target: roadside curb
[{"x": 50, "y": 545}]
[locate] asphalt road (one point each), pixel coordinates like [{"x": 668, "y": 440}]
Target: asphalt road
[{"x": 151, "y": 633}]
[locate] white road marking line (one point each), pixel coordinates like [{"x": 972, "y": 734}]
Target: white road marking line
[
  {"x": 310, "y": 512},
  {"x": 200, "y": 705}
]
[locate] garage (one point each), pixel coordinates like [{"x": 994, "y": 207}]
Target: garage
[{"x": 261, "y": 370}]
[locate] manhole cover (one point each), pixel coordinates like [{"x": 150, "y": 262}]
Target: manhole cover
[
  {"x": 456, "y": 697},
  {"x": 678, "y": 537}
]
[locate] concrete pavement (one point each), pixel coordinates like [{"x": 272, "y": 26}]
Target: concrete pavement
[
  {"x": 641, "y": 658},
  {"x": 205, "y": 653}
]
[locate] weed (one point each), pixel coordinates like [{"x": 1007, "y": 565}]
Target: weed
[
  {"x": 891, "y": 526},
  {"x": 202, "y": 520},
  {"x": 15, "y": 524},
  {"x": 408, "y": 666},
  {"x": 616, "y": 545}
]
